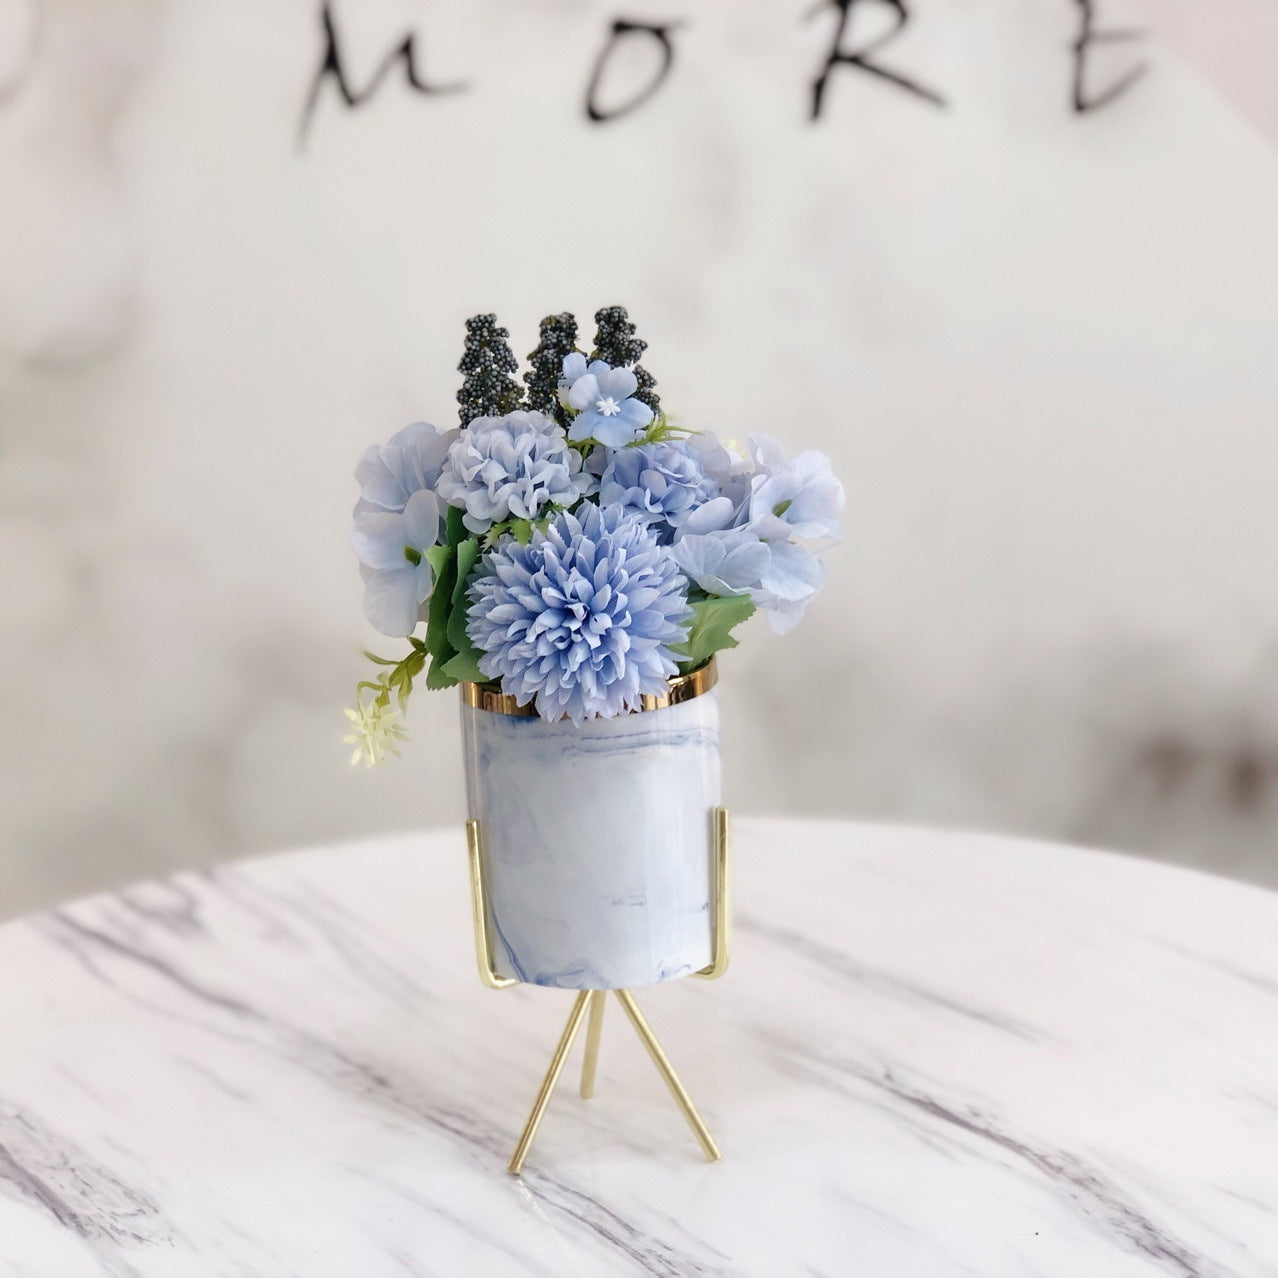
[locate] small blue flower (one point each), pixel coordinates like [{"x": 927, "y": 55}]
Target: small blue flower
[
  {"x": 397, "y": 518},
  {"x": 389, "y": 474},
  {"x": 602, "y": 398},
  {"x": 745, "y": 543},
  {"x": 390, "y": 546},
  {"x": 508, "y": 467},
  {"x": 575, "y": 366},
  {"x": 662, "y": 483},
  {"x": 801, "y": 498},
  {"x": 581, "y": 618},
  {"x": 781, "y": 577}
]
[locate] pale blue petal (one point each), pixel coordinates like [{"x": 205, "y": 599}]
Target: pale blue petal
[
  {"x": 421, "y": 520},
  {"x": 794, "y": 573},
  {"x": 378, "y": 539},
  {"x": 745, "y": 564},
  {"x": 584, "y": 392},
  {"x": 636, "y": 413},
  {"x": 716, "y": 514},
  {"x": 391, "y": 602},
  {"x": 384, "y": 491},
  {"x": 370, "y": 465},
  {"x": 619, "y": 383},
  {"x": 615, "y": 432},
  {"x": 783, "y": 616}
]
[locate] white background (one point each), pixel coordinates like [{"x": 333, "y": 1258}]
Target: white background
[{"x": 1038, "y": 347}]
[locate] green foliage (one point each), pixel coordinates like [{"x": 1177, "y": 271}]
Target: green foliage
[
  {"x": 463, "y": 667},
  {"x": 467, "y": 553},
  {"x": 663, "y": 429},
  {"x": 453, "y": 656},
  {"x": 397, "y": 678},
  {"x": 709, "y": 631},
  {"x": 558, "y": 339},
  {"x": 445, "y": 561},
  {"x": 487, "y": 364},
  {"x": 616, "y": 344},
  {"x": 437, "y": 677}
]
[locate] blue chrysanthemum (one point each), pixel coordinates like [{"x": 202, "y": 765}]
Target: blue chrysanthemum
[{"x": 581, "y": 618}]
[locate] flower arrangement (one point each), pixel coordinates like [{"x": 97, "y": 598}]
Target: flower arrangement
[{"x": 568, "y": 541}]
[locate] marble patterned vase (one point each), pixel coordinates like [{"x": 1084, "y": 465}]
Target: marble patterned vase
[{"x": 597, "y": 840}]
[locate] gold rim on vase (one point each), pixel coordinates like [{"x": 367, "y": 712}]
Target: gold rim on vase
[{"x": 488, "y": 696}]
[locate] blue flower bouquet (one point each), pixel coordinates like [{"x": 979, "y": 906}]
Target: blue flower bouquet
[{"x": 575, "y": 559}]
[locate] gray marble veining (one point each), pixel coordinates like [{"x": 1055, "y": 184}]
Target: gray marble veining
[{"x": 935, "y": 1054}]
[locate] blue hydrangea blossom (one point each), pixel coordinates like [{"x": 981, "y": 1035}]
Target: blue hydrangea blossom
[
  {"x": 511, "y": 467},
  {"x": 663, "y": 483},
  {"x": 583, "y": 617}
]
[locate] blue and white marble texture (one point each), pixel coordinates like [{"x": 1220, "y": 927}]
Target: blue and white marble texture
[{"x": 598, "y": 846}]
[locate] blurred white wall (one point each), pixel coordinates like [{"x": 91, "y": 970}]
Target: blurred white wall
[{"x": 1038, "y": 345}]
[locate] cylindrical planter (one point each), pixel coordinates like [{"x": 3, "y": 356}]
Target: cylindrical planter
[{"x": 597, "y": 840}]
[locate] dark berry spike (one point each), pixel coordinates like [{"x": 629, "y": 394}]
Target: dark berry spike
[
  {"x": 558, "y": 338},
  {"x": 488, "y": 388}
]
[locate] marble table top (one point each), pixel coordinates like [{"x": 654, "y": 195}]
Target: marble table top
[{"x": 935, "y": 1053}]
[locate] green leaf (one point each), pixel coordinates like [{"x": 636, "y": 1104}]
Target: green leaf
[
  {"x": 401, "y": 678},
  {"x": 455, "y": 529},
  {"x": 464, "y": 665},
  {"x": 381, "y": 661},
  {"x": 467, "y": 554},
  {"x": 439, "y": 558},
  {"x": 709, "y": 631},
  {"x": 437, "y": 678},
  {"x": 521, "y": 530},
  {"x": 441, "y": 599}
]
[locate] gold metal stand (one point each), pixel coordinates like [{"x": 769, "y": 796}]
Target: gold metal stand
[
  {"x": 594, "y": 1030},
  {"x": 590, "y": 1003}
]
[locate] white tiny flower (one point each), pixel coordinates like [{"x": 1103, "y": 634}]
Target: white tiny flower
[{"x": 377, "y": 732}]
